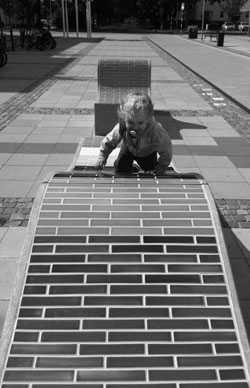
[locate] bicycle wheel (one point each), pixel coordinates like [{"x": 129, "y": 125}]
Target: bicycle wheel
[
  {"x": 18, "y": 42},
  {"x": 53, "y": 46},
  {"x": 47, "y": 42},
  {"x": 28, "y": 43},
  {"x": 3, "y": 58}
]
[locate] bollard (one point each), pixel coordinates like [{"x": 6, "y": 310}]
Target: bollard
[
  {"x": 12, "y": 40},
  {"x": 220, "y": 39}
]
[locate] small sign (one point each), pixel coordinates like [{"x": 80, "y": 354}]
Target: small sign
[{"x": 182, "y": 6}]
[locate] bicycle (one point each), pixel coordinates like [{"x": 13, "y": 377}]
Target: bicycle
[
  {"x": 3, "y": 58},
  {"x": 39, "y": 39},
  {"x": 47, "y": 39},
  {"x": 3, "y": 54},
  {"x": 30, "y": 40}
]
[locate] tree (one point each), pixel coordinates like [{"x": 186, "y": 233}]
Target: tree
[
  {"x": 112, "y": 11},
  {"x": 148, "y": 12},
  {"x": 24, "y": 11},
  {"x": 157, "y": 13},
  {"x": 8, "y": 7},
  {"x": 232, "y": 8}
]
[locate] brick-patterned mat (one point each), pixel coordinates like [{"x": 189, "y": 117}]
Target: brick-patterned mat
[{"x": 127, "y": 285}]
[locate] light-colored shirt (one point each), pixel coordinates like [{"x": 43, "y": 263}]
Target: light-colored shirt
[{"x": 153, "y": 139}]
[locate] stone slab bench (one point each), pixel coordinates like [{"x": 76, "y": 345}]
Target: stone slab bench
[
  {"x": 211, "y": 36},
  {"x": 116, "y": 78}
]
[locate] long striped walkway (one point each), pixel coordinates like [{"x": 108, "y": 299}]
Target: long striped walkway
[{"x": 127, "y": 285}]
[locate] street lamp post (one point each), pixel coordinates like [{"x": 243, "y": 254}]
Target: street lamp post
[
  {"x": 182, "y": 14},
  {"x": 63, "y": 18},
  {"x": 249, "y": 23},
  {"x": 50, "y": 11},
  {"x": 202, "y": 18},
  {"x": 67, "y": 18},
  {"x": 77, "y": 21},
  {"x": 88, "y": 17}
]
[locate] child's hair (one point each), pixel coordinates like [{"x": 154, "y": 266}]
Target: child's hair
[{"x": 136, "y": 101}]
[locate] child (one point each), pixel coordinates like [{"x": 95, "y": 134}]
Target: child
[{"x": 143, "y": 138}]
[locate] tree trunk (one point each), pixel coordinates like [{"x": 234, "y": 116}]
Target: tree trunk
[{"x": 38, "y": 14}]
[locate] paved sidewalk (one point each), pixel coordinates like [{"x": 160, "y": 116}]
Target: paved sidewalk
[
  {"x": 227, "y": 67},
  {"x": 37, "y": 139},
  {"x": 42, "y": 124}
]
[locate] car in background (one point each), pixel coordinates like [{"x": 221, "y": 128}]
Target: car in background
[
  {"x": 228, "y": 26},
  {"x": 243, "y": 26}
]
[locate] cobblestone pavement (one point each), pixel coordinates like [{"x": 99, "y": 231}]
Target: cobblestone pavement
[{"x": 15, "y": 211}]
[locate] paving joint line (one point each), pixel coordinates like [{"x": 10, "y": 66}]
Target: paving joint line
[
  {"x": 89, "y": 111},
  {"x": 61, "y": 111},
  {"x": 74, "y": 78}
]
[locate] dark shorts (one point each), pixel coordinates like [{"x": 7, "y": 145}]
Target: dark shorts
[{"x": 124, "y": 161}]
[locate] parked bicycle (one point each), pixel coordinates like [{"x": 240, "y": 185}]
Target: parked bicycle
[
  {"x": 28, "y": 39},
  {"x": 3, "y": 58},
  {"x": 48, "y": 39},
  {"x": 9, "y": 41},
  {"x": 38, "y": 39},
  {"x": 3, "y": 54}
]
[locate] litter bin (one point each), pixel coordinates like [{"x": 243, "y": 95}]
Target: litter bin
[
  {"x": 192, "y": 34},
  {"x": 220, "y": 39}
]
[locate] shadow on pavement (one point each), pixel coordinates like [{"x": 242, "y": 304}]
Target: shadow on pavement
[
  {"x": 27, "y": 68},
  {"x": 239, "y": 257},
  {"x": 174, "y": 126},
  {"x": 109, "y": 112}
]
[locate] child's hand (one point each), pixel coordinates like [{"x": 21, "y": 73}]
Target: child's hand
[
  {"x": 158, "y": 170},
  {"x": 100, "y": 164}
]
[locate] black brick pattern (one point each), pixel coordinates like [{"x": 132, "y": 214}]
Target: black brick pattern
[
  {"x": 125, "y": 298},
  {"x": 116, "y": 78}
]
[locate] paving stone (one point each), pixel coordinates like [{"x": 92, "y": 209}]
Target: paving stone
[
  {"x": 4, "y": 304},
  {"x": 12, "y": 242}
]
